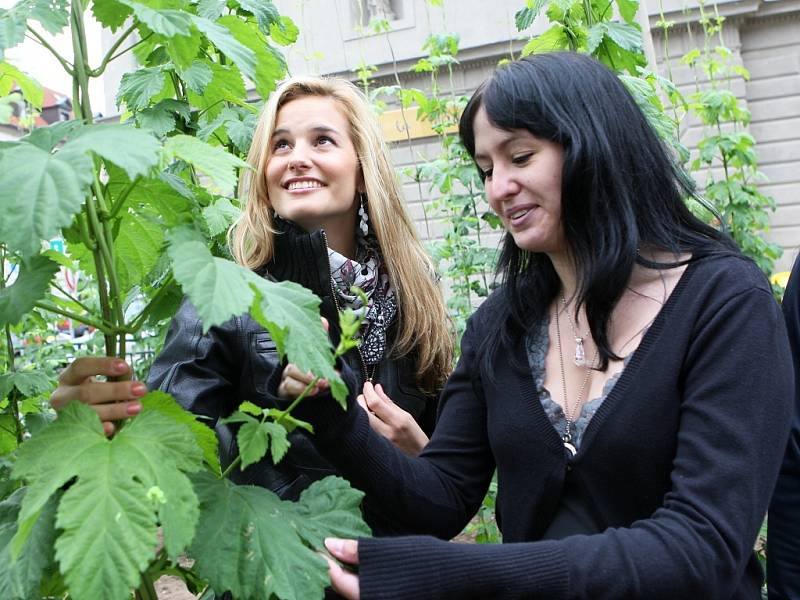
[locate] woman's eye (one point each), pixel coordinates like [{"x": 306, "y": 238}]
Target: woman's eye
[
  {"x": 521, "y": 159},
  {"x": 324, "y": 139},
  {"x": 280, "y": 145}
]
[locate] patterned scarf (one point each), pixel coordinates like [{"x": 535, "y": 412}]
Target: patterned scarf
[{"x": 367, "y": 273}]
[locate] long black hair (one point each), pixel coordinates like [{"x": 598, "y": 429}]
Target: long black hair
[{"x": 621, "y": 189}]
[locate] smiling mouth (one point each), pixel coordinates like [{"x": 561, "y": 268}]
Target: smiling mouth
[
  {"x": 304, "y": 185},
  {"x": 519, "y": 214}
]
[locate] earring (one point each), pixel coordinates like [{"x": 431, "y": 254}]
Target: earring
[{"x": 363, "y": 217}]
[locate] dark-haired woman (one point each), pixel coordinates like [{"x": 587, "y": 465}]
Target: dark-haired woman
[
  {"x": 630, "y": 381},
  {"x": 783, "y": 539}
]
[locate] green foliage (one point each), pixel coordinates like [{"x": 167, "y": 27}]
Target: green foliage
[{"x": 31, "y": 286}]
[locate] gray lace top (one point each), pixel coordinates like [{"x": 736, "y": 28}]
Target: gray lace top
[{"x": 537, "y": 341}]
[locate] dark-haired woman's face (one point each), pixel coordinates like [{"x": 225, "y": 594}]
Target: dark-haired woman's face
[{"x": 523, "y": 183}]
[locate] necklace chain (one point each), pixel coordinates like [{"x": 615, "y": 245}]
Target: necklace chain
[
  {"x": 571, "y": 414},
  {"x": 580, "y": 349}
]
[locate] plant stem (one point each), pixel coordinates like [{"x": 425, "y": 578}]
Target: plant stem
[
  {"x": 13, "y": 396},
  {"x": 140, "y": 318},
  {"x": 146, "y": 589},
  {"x": 105, "y": 327},
  {"x": 119, "y": 202},
  {"x": 64, "y": 64},
  {"x": 110, "y": 54}
]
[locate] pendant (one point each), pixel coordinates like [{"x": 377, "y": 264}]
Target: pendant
[
  {"x": 580, "y": 353},
  {"x": 567, "y": 439}
]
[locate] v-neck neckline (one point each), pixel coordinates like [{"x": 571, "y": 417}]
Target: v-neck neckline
[{"x": 636, "y": 357}]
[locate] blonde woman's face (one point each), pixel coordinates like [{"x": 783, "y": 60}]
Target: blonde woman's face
[{"x": 313, "y": 173}]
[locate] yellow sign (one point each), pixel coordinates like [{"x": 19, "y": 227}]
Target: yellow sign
[{"x": 400, "y": 125}]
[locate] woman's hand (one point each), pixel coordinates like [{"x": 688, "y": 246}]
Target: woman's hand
[
  {"x": 112, "y": 401},
  {"x": 344, "y": 582},
  {"x": 294, "y": 381},
  {"x": 391, "y": 421}
]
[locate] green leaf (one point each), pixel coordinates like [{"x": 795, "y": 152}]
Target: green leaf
[
  {"x": 137, "y": 248},
  {"x": 284, "y": 32},
  {"x": 214, "y": 162},
  {"x": 138, "y": 87},
  {"x": 525, "y": 17},
  {"x": 227, "y": 85},
  {"x": 29, "y": 383},
  {"x": 20, "y": 578},
  {"x": 164, "y": 22},
  {"x": 52, "y": 14},
  {"x": 47, "y": 138},
  {"x": 627, "y": 36},
  {"x": 218, "y": 288},
  {"x": 30, "y": 287},
  {"x": 242, "y": 56},
  {"x": 241, "y": 132},
  {"x": 13, "y": 23},
  {"x": 262, "y": 553},
  {"x": 268, "y": 67},
  {"x": 627, "y": 10},
  {"x": 220, "y": 215},
  {"x": 204, "y": 436},
  {"x": 285, "y": 306},
  {"x": 157, "y": 119},
  {"x": 252, "y": 439},
  {"x": 124, "y": 487},
  {"x": 39, "y": 194},
  {"x": 329, "y": 508},
  {"x": 182, "y": 50},
  {"x": 133, "y": 150},
  {"x": 211, "y": 9},
  {"x": 31, "y": 90},
  {"x": 265, "y": 12},
  {"x": 553, "y": 39},
  {"x": 111, "y": 13},
  {"x": 288, "y": 422},
  {"x": 197, "y": 76}
]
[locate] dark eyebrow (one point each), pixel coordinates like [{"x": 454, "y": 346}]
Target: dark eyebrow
[{"x": 316, "y": 129}]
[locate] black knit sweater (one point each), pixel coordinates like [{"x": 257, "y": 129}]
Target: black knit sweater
[{"x": 680, "y": 461}]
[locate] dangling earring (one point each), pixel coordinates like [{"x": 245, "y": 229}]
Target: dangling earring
[{"x": 363, "y": 217}]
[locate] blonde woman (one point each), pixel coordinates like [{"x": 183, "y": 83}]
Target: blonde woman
[{"x": 323, "y": 209}]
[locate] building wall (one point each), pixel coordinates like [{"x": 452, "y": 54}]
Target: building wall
[{"x": 764, "y": 36}]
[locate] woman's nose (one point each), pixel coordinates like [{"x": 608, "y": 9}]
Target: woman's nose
[{"x": 501, "y": 186}]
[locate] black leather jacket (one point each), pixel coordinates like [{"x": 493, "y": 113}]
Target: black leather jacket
[{"x": 212, "y": 374}]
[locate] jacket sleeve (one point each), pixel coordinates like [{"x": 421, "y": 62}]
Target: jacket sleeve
[
  {"x": 201, "y": 370},
  {"x": 697, "y": 544},
  {"x": 783, "y": 540},
  {"x": 438, "y": 491}
]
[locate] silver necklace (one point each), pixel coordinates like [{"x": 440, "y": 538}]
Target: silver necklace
[
  {"x": 570, "y": 415},
  {"x": 580, "y": 351}
]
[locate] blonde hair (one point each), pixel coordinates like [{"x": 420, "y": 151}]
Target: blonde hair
[{"x": 423, "y": 322}]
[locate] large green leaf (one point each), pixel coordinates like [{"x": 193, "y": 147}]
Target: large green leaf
[
  {"x": 242, "y": 56},
  {"x": 165, "y": 22},
  {"x": 329, "y": 508},
  {"x": 47, "y": 138},
  {"x": 627, "y": 36},
  {"x": 133, "y": 150},
  {"x": 39, "y": 194},
  {"x": 211, "y": 9},
  {"x": 138, "y": 87},
  {"x": 284, "y": 32},
  {"x": 218, "y": 288},
  {"x": 268, "y": 67},
  {"x": 31, "y": 90},
  {"x": 553, "y": 39},
  {"x": 30, "y": 287},
  {"x": 137, "y": 247},
  {"x": 203, "y": 434},
  {"x": 161, "y": 201},
  {"x": 20, "y": 578},
  {"x": 627, "y": 9},
  {"x": 284, "y": 307},
  {"x": 246, "y": 543},
  {"x": 214, "y": 162},
  {"x": 125, "y": 487}
]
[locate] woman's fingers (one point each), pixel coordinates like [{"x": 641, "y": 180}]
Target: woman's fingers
[
  {"x": 294, "y": 382},
  {"x": 344, "y": 582},
  {"x": 392, "y": 422},
  {"x": 92, "y": 392},
  {"x": 87, "y": 366}
]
